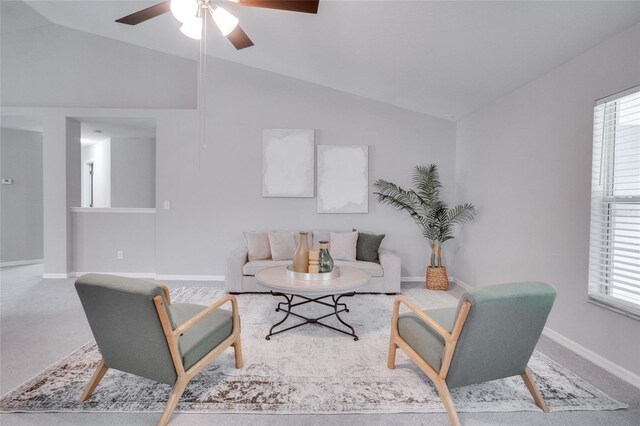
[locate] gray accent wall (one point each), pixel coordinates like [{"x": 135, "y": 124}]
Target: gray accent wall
[
  {"x": 21, "y": 202},
  {"x": 525, "y": 161},
  {"x": 133, "y": 172}
]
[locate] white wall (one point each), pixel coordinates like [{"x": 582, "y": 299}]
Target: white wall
[
  {"x": 21, "y": 203},
  {"x": 216, "y": 195},
  {"x": 525, "y": 161},
  {"x": 133, "y": 172},
  {"x": 97, "y": 238},
  {"x": 56, "y": 66},
  {"x": 100, "y": 154}
]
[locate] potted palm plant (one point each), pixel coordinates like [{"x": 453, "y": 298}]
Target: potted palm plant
[{"x": 435, "y": 219}]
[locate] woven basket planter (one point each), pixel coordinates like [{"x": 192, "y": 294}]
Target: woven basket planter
[{"x": 437, "y": 278}]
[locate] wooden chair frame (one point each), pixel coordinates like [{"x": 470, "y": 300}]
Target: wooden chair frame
[
  {"x": 172, "y": 337},
  {"x": 451, "y": 339}
]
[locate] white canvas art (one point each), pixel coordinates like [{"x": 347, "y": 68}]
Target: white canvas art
[
  {"x": 287, "y": 163},
  {"x": 343, "y": 179}
]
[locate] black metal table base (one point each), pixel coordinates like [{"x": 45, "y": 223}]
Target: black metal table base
[{"x": 334, "y": 304}]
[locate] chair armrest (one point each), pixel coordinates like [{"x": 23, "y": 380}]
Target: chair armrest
[
  {"x": 450, "y": 338},
  {"x": 193, "y": 321},
  {"x": 167, "y": 295},
  {"x": 422, "y": 315}
]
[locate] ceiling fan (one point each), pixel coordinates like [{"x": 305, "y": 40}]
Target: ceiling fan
[{"x": 192, "y": 12}]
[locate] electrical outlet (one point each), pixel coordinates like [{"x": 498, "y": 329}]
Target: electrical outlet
[{"x": 120, "y": 255}]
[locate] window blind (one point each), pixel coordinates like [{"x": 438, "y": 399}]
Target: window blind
[{"x": 614, "y": 249}]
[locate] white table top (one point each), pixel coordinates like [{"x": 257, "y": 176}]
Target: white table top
[{"x": 349, "y": 280}]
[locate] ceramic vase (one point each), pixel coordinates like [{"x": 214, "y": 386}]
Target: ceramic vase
[{"x": 301, "y": 258}]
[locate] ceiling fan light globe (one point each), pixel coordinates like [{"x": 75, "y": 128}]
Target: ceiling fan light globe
[
  {"x": 184, "y": 10},
  {"x": 225, "y": 21},
  {"x": 192, "y": 28}
]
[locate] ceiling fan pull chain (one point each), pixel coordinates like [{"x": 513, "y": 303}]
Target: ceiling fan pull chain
[{"x": 202, "y": 88}]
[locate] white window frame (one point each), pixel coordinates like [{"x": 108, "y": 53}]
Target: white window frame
[{"x": 605, "y": 199}]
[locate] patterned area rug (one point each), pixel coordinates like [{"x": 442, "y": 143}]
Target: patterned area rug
[{"x": 309, "y": 369}]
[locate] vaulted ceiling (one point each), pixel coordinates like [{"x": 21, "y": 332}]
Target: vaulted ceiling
[{"x": 445, "y": 59}]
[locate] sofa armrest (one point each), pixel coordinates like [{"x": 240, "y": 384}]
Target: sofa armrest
[
  {"x": 391, "y": 265},
  {"x": 233, "y": 275}
]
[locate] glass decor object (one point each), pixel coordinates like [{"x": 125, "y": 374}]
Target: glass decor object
[
  {"x": 325, "y": 261},
  {"x": 301, "y": 258}
]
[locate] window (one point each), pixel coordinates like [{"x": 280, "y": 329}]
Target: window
[{"x": 614, "y": 251}]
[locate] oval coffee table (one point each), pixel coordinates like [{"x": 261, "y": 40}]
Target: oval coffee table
[{"x": 312, "y": 291}]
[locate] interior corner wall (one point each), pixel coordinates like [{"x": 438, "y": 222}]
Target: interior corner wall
[
  {"x": 133, "y": 172},
  {"x": 73, "y": 179},
  {"x": 54, "y": 171},
  {"x": 525, "y": 161},
  {"x": 21, "y": 202}
]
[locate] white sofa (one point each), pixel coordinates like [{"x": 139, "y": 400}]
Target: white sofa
[{"x": 240, "y": 274}]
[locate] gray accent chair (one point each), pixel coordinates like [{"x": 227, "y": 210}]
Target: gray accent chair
[
  {"x": 139, "y": 331},
  {"x": 490, "y": 335}
]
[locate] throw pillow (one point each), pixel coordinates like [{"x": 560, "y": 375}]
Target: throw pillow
[
  {"x": 258, "y": 245},
  {"x": 367, "y": 246},
  {"x": 342, "y": 246},
  {"x": 283, "y": 245}
]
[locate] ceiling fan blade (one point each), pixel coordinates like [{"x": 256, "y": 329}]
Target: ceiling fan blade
[
  {"x": 239, "y": 38},
  {"x": 145, "y": 14},
  {"x": 304, "y": 6}
]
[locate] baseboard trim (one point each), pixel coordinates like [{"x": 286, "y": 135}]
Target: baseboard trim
[
  {"x": 171, "y": 277},
  {"x": 149, "y": 275},
  {"x": 613, "y": 368},
  {"x": 462, "y": 284},
  {"x": 55, "y": 276},
  {"x": 21, "y": 262},
  {"x": 422, "y": 279},
  {"x": 412, "y": 279}
]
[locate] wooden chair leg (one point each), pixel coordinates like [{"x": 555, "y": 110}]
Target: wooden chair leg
[
  {"x": 391, "y": 360},
  {"x": 174, "y": 397},
  {"x": 237, "y": 349},
  {"x": 445, "y": 396},
  {"x": 93, "y": 382},
  {"x": 533, "y": 389}
]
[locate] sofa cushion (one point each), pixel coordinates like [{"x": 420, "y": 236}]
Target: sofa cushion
[
  {"x": 205, "y": 335},
  {"x": 372, "y": 268},
  {"x": 367, "y": 247},
  {"x": 255, "y": 266},
  {"x": 252, "y": 268},
  {"x": 283, "y": 245},
  {"x": 258, "y": 246},
  {"x": 321, "y": 235},
  {"x": 342, "y": 246}
]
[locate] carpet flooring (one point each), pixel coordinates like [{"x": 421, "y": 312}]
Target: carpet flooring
[
  {"x": 41, "y": 321},
  {"x": 305, "y": 370}
]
